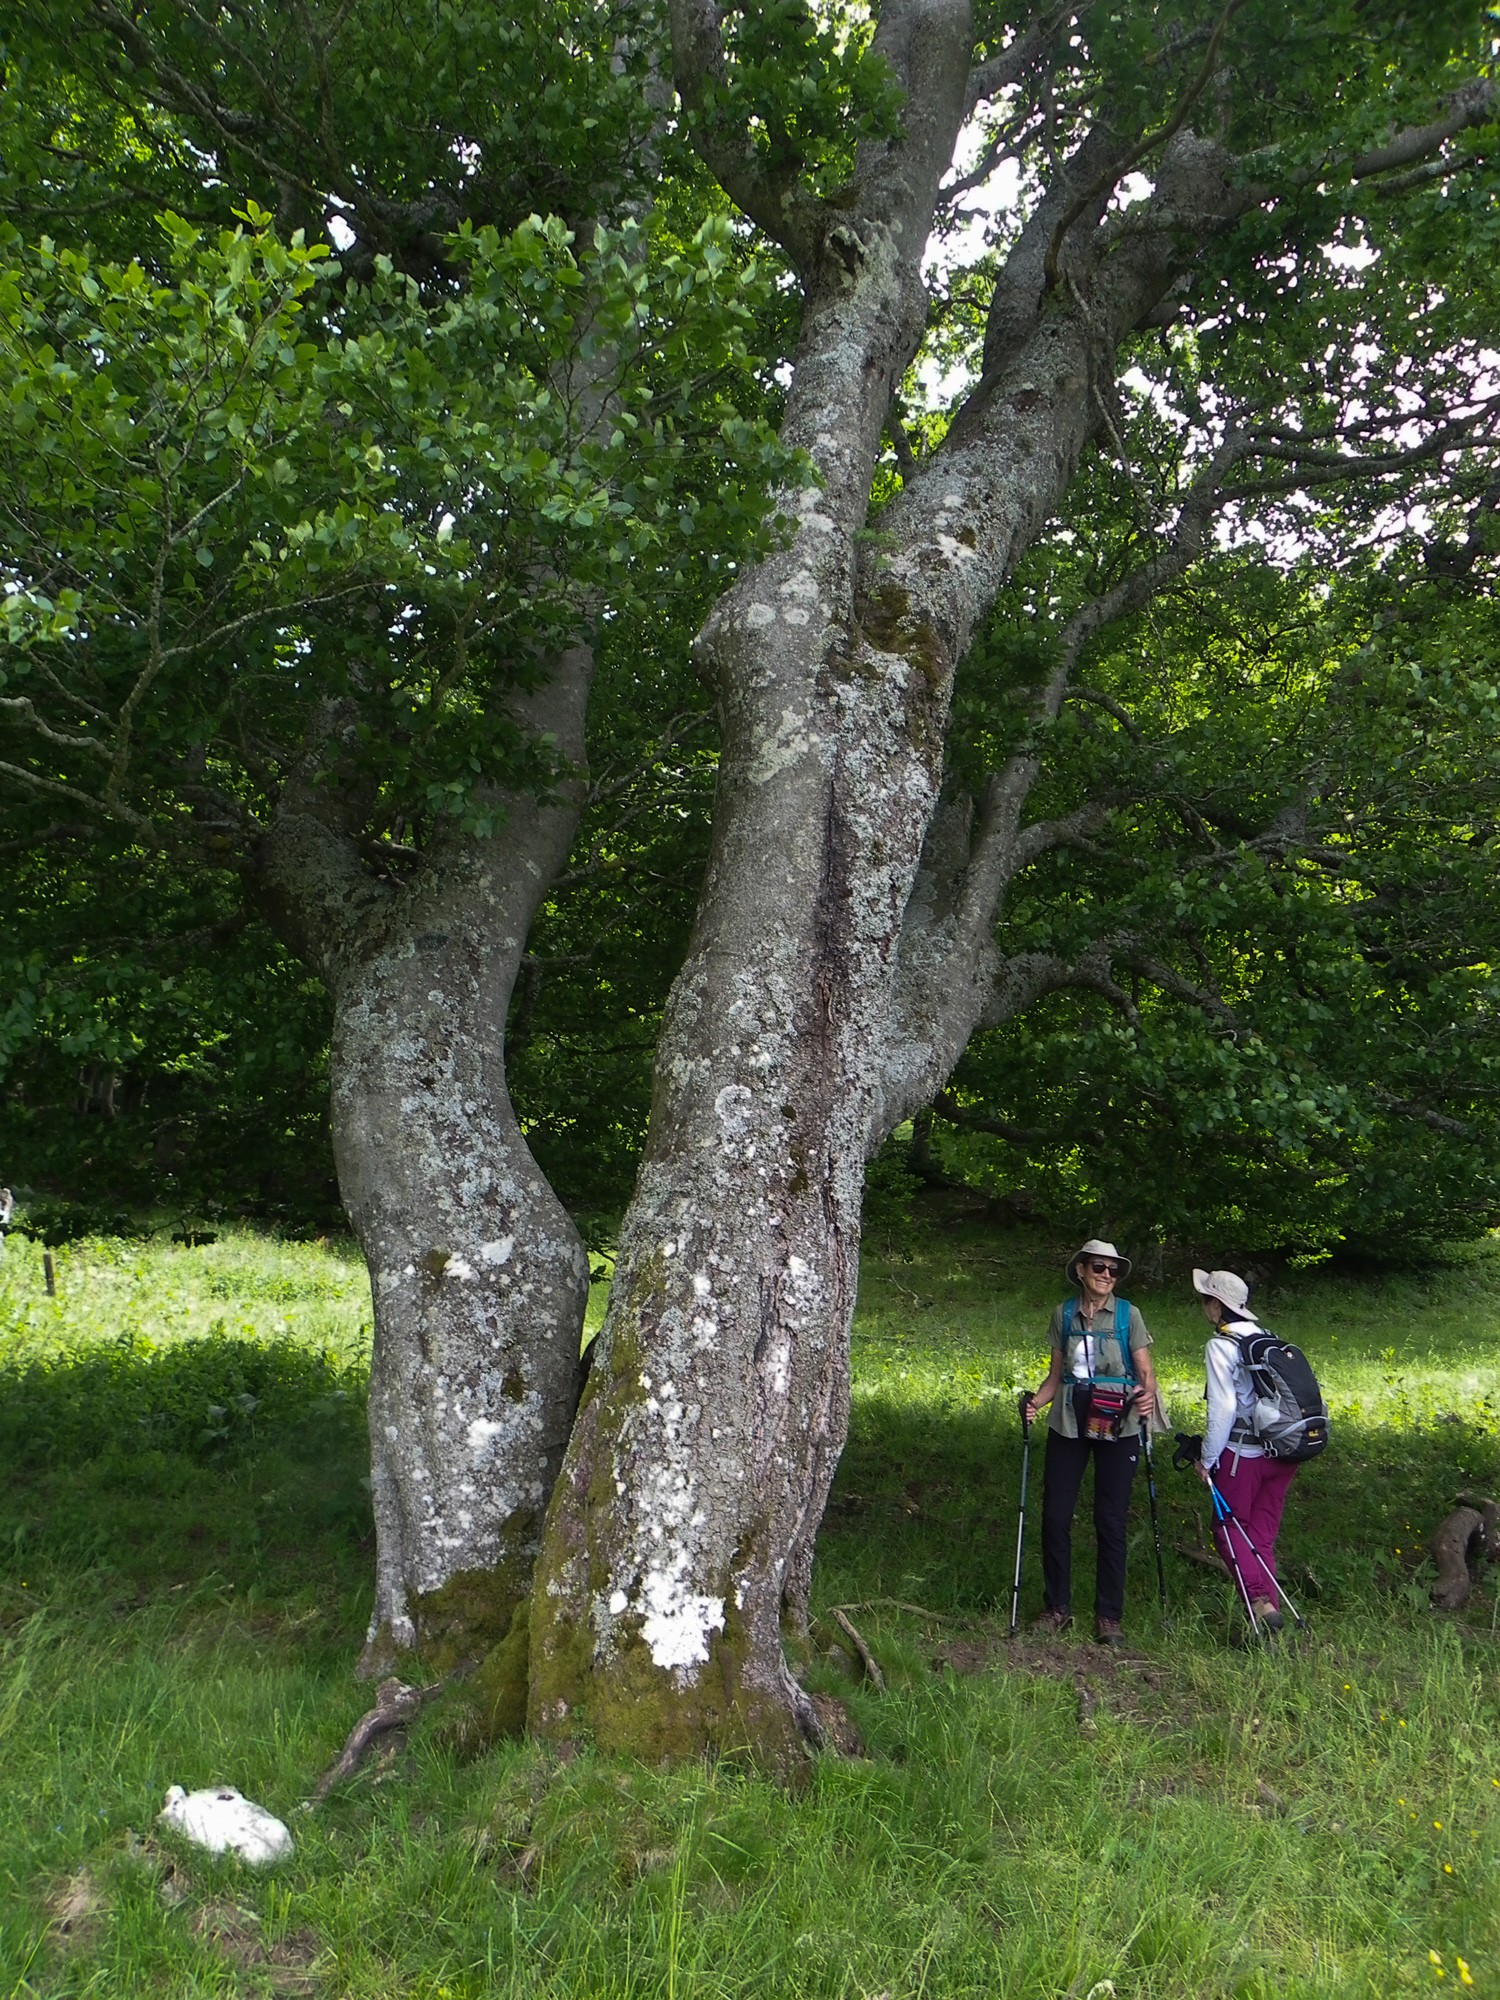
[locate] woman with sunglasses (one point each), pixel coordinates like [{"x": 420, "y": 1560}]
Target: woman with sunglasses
[{"x": 1101, "y": 1387}]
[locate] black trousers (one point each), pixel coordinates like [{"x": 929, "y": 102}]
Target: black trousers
[{"x": 1114, "y": 1475}]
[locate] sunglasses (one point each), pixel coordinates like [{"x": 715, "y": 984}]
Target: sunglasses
[{"x": 1102, "y": 1265}]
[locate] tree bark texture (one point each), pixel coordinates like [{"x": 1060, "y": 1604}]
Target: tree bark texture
[
  {"x": 478, "y": 1275},
  {"x": 718, "y": 1402}
]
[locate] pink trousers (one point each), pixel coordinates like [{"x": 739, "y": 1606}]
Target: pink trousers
[{"x": 1256, "y": 1490}]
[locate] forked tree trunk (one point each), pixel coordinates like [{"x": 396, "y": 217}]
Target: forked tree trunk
[
  {"x": 680, "y": 1532},
  {"x": 478, "y": 1275}
]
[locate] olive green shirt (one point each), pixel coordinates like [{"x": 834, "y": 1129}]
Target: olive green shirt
[{"x": 1109, "y": 1359}]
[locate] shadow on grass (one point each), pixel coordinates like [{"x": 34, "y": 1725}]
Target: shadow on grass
[
  {"x": 138, "y": 1472},
  {"x": 154, "y": 1469},
  {"x": 924, "y": 1509}
]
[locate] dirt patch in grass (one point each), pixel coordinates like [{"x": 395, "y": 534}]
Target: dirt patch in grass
[
  {"x": 1049, "y": 1658},
  {"x": 75, "y": 1912},
  {"x": 1132, "y": 1687},
  {"x": 284, "y": 1966}
]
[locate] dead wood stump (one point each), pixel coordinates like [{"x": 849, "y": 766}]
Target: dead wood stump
[{"x": 1472, "y": 1527}]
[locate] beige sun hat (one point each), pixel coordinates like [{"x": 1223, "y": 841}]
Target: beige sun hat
[
  {"x": 1094, "y": 1248},
  {"x": 1227, "y": 1287}
]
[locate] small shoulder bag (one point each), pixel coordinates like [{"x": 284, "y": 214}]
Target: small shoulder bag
[{"x": 1108, "y": 1395}]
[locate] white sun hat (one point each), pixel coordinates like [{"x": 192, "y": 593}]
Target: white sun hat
[{"x": 1227, "y": 1287}]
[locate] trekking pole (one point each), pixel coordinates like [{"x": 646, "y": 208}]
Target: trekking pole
[
  {"x": 1223, "y": 1513},
  {"x": 1230, "y": 1518},
  {"x": 1015, "y": 1589},
  {"x": 1161, "y": 1570}
]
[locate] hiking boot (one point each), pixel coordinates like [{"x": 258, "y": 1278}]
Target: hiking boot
[
  {"x": 1052, "y": 1621},
  {"x": 1109, "y": 1632},
  {"x": 1271, "y": 1620}
]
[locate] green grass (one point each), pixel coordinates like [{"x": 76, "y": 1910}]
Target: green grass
[{"x": 187, "y": 1579}]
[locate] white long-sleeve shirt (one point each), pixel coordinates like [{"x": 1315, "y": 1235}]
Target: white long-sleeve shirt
[{"x": 1231, "y": 1394}]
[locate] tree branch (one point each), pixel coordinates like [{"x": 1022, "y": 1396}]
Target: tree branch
[
  {"x": 1148, "y": 143},
  {"x": 782, "y": 209},
  {"x": 1029, "y": 976},
  {"x": 21, "y": 707},
  {"x": 1007, "y": 67},
  {"x": 1474, "y": 104}
]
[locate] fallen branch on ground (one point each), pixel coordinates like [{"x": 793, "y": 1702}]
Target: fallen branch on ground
[
  {"x": 866, "y": 1658},
  {"x": 1204, "y": 1558}
]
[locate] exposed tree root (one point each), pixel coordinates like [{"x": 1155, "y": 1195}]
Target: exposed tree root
[{"x": 396, "y": 1707}]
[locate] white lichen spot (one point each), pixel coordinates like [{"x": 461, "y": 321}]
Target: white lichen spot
[
  {"x": 678, "y": 1622},
  {"x": 732, "y": 1108},
  {"x": 759, "y": 616},
  {"x": 461, "y": 1269},
  {"x": 796, "y": 614},
  {"x": 497, "y": 1252},
  {"x": 618, "y": 1604},
  {"x": 701, "y": 1285},
  {"x": 482, "y": 1434},
  {"x": 790, "y": 741}
]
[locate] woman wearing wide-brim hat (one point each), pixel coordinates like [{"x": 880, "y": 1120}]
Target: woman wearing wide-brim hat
[
  {"x": 1101, "y": 1387},
  {"x": 1231, "y": 1457}
]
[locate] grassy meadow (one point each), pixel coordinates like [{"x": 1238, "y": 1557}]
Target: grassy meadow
[{"x": 187, "y": 1553}]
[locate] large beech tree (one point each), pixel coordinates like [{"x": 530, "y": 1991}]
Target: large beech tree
[
  {"x": 831, "y": 983},
  {"x": 1160, "y": 183}
]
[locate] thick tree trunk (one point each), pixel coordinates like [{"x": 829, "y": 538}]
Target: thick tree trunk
[
  {"x": 478, "y": 1275},
  {"x": 681, "y": 1531}
]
